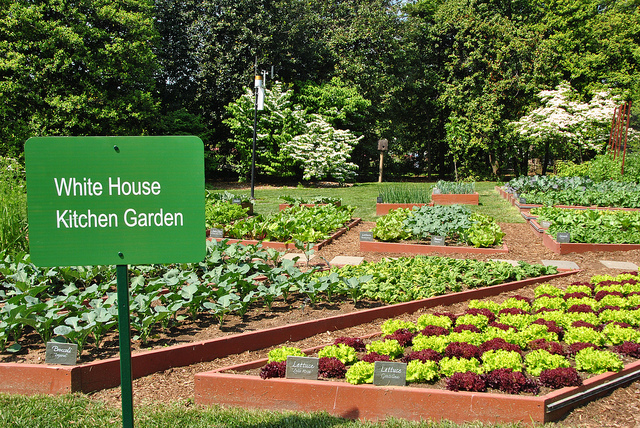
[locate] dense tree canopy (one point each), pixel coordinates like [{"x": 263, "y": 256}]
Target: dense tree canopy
[{"x": 443, "y": 80}]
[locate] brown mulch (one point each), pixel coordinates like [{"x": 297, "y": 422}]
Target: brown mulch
[{"x": 618, "y": 409}]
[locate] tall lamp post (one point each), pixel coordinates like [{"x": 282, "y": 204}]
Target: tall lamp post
[{"x": 259, "y": 105}]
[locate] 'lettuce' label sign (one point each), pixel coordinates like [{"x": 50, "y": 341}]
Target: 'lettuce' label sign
[{"x": 115, "y": 200}]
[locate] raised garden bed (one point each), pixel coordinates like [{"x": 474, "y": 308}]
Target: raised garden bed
[
  {"x": 283, "y": 246},
  {"x": 381, "y": 402},
  {"x": 400, "y": 247},
  {"x": 53, "y": 379},
  {"x": 450, "y": 199},
  {"x": 574, "y": 247},
  {"x": 372, "y": 402}
]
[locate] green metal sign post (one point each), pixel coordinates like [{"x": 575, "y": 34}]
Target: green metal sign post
[{"x": 116, "y": 201}]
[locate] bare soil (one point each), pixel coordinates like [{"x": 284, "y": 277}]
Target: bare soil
[{"x": 618, "y": 409}]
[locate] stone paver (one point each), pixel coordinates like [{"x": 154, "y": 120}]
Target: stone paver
[
  {"x": 619, "y": 265},
  {"x": 291, "y": 256},
  {"x": 561, "y": 264},
  {"x": 346, "y": 260}
]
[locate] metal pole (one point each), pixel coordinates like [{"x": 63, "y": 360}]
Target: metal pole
[
  {"x": 253, "y": 150},
  {"x": 126, "y": 385}
]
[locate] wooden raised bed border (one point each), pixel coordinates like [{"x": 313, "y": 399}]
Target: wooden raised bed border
[
  {"x": 455, "y": 198},
  {"x": 574, "y": 247},
  {"x": 283, "y": 246},
  {"x": 31, "y": 379}
]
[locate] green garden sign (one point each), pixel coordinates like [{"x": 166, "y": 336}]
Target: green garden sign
[{"x": 116, "y": 201}]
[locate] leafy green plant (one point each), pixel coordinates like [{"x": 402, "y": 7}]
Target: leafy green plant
[
  {"x": 223, "y": 213},
  {"x": 13, "y": 207},
  {"x": 584, "y": 334},
  {"x": 386, "y": 347},
  {"x": 439, "y": 220},
  {"x": 539, "y": 360},
  {"x": 437, "y": 343},
  {"x": 280, "y": 354},
  {"x": 454, "y": 188},
  {"x": 360, "y": 372},
  {"x": 298, "y": 200},
  {"x": 346, "y": 354},
  {"x": 391, "y": 227},
  {"x": 598, "y": 361},
  {"x": 405, "y": 194},
  {"x": 501, "y": 359},
  {"x": 419, "y": 371},
  {"x": 392, "y": 325},
  {"x": 451, "y": 365}
]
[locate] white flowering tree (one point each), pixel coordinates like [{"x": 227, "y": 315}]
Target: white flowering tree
[
  {"x": 566, "y": 126},
  {"x": 323, "y": 150},
  {"x": 288, "y": 139}
]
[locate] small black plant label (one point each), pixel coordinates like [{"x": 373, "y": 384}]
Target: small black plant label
[
  {"x": 436, "y": 191},
  {"x": 236, "y": 201},
  {"x": 437, "y": 240},
  {"x": 216, "y": 233},
  {"x": 563, "y": 237},
  {"x": 379, "y": 200},
  {"x": 388, "y": 373},
  {"x": 61, "y": 353},
  {"x": 366, "y": 236},
  {"x": 302, "y": 368},
  {"x": 545, "y": 224},
  {"x": 523, "y": 200}
]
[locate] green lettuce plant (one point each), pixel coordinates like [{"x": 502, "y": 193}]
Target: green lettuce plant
[
  {"x": 386, "y": 347},
  {"x": 437, "y": 343},
  {"x": 392, "y": 325},
  {"x": 451, "y": 365},
  {"x": 344, "y": 353},
  {"x": 281, "y": 354},
  {"x": 598, "y": 361},
  {"x": 537, "y": 361},
  {"x": 360, "y": 372},
  {"x": 501, "y": 359},
  {"x": 584, "y": 334},
  {"x": 418, "y": 371}
]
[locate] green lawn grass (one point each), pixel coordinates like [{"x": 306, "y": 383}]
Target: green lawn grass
[
  {"x": 363, "y": 197},
  {"x": 76, "y": 410}
]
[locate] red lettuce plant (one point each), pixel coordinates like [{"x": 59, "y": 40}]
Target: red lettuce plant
[
  {"x": 467, "y": 381},
  {"x": 541, "y": 310},
  {"x": 355, "y": 342},
  {"x": 424, "y": 356},
  {"x": 511, "y": 382},
  {"x": 452, "y": 317},
  {"x": 560, "y": 377},
  {"x": 499, "y": 343},
  {"x": 602, "y": 293},
  {"x": 630, "y": 349},
  {"x": 577, "y": 295},
  {"x": 523, "y": 298},
  {"x": 274, "y": 369},
  {"x": 403, "y": 336},
  {"x": 502, "y": 326},
  {"x": 580, "y": 309},
  {"x": 513, "y": 311},
  {"x": 552, "y": 327},
  {"x": 581, "y": 323},
  {"x": 481, "y": 311},
  {"x": 372, "y": 357},
  {"x": 462, "y": 350},
  {"x": 331, "y": 367},
  {"x": 466, "y": 327},
  {"x": 574, "y": 348},
  {"x": 549, "y": 346},
  {"x": 609, "y": 308},
  {"x": 434, "y": 330}
]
